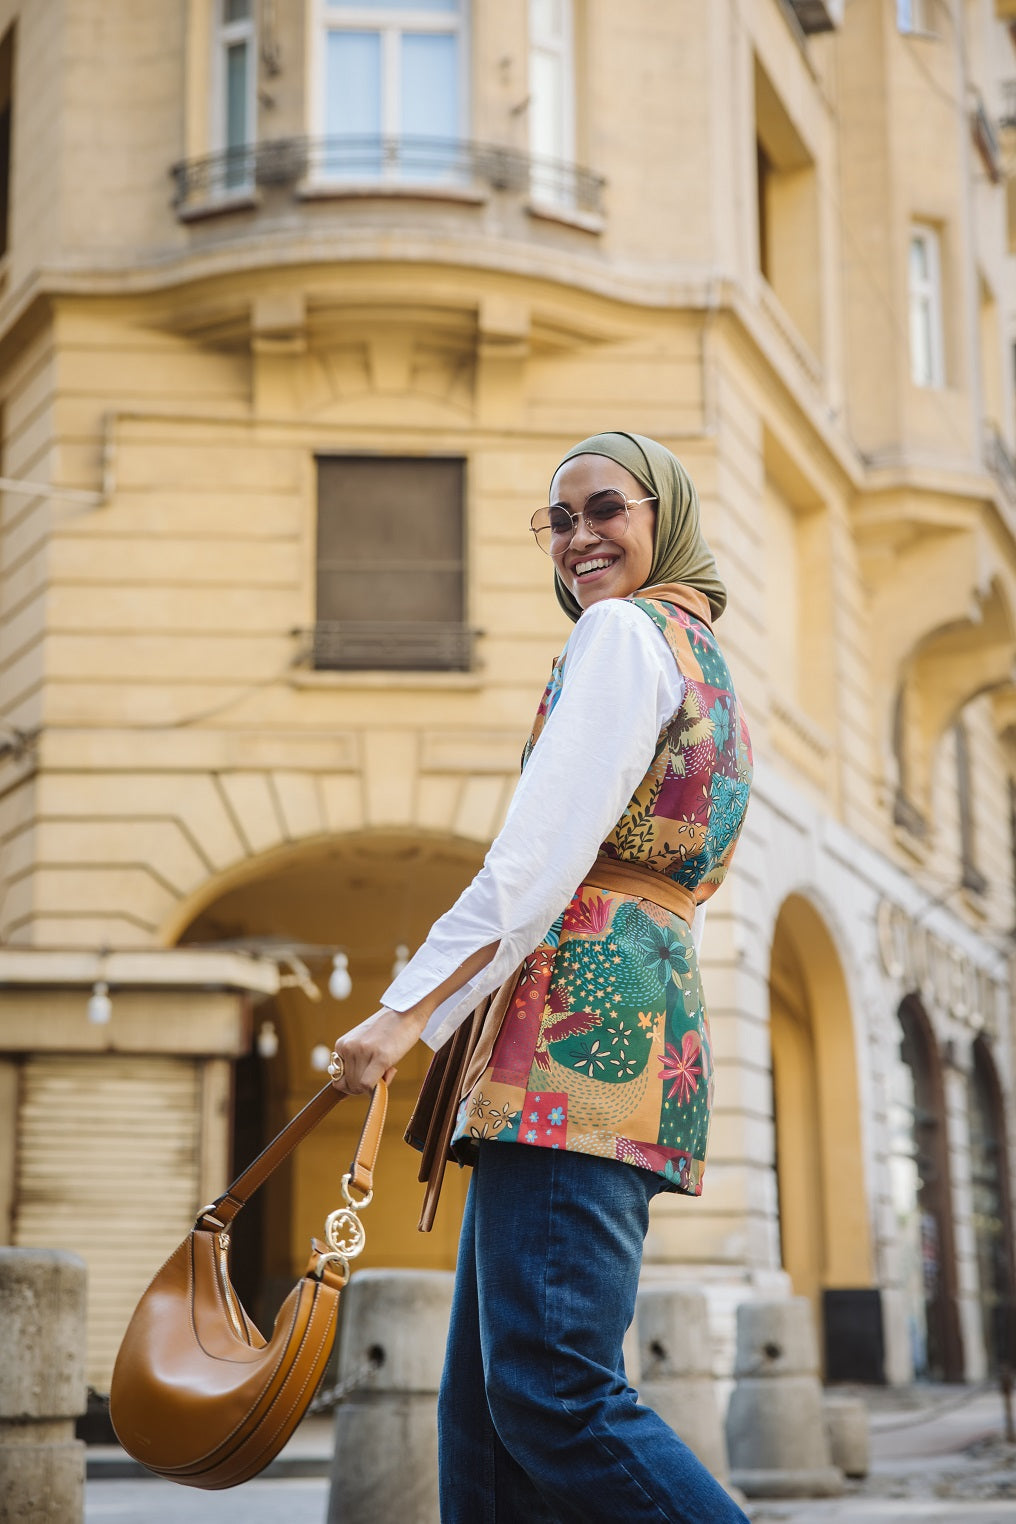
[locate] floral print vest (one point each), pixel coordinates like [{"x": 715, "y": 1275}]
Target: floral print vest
[{"x": 604, "y": 1048}]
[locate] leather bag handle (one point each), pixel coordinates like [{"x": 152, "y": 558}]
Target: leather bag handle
[{"x": 361, "y": 1171}]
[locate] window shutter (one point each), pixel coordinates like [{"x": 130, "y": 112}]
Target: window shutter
[{"x": 390, "y": 563}]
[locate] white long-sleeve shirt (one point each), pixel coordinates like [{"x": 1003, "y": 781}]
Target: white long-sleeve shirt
[{"x": 621, "y": 686}]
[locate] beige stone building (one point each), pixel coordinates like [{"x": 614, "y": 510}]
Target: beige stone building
[{"x": 300, "y": 303}]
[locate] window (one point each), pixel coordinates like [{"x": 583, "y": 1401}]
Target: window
[
  {"x": 990, "y": 1214},
  {"x": 391, "y": 564},
  {"x": 919, "y": 1176},
  {"x": 788, "y": 217},
  {"x": 551, "y": 99},
  {"x": 796, "y": 556},
  {"x": 235, "y": 78},
  {"x": 912, "y": 15},
  {"x": 971, "y": 876},
  {"x": 391, "y": 90},
  {"x": 927, "y": 365}
]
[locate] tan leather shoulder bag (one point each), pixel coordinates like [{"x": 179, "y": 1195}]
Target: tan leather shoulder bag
[{"x": 198, "y": 1394}]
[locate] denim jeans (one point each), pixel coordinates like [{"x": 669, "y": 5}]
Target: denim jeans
[{"x": 536, "y": 1421}]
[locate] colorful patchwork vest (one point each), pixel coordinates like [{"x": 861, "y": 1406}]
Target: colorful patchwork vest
[{"x": 604, "y": 1048}]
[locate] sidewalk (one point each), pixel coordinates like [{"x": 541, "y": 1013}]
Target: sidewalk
[{"x": 938, "y": 1457}]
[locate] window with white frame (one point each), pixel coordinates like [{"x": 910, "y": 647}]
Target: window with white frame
[
  {"x": 390, "y": 85},
  {"x": 235, "y": 86},
  {"x": 551, "y": 99},
  {"x": 912, "y": 15},
  {"x": 927, "y": 351}
]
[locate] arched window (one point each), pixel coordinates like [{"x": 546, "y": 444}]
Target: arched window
[
  {"x": 990, "y": 1210},
  {"x": 920, "y": 1186}
]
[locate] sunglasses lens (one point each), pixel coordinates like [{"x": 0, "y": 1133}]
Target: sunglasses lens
[
  {"x": 605, "y": 515},
  {"x": 540, "y": 523}
]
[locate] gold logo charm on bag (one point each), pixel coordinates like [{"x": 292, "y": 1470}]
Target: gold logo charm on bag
[{"x": 345, "y": 1232}]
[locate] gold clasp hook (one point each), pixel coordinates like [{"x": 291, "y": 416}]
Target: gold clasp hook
[{"x": 343, "y": 1229}]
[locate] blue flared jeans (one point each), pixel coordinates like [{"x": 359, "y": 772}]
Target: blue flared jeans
[{"x": 536, "y": 1421}]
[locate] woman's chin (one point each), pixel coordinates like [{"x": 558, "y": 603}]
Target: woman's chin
[{"x": 586, "y": 594}]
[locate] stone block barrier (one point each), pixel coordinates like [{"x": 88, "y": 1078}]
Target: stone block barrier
[
  {"x": 391, "y": 1352},
  {"x": 42, "y": 1386},
  {"x": 776, "y": 1434}
]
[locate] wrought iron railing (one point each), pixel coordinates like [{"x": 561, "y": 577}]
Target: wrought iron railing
[
  {"x": 390, "y": 645},
  {"x": 381, "y": 161}
]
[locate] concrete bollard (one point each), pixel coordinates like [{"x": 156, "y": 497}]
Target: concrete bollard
[
  {"x": 394, "y": 1324},
  {"x": 776, "y": 1437},
  {"x": 847, "y": 1428},
  {"x": 42, "y": 1386},
  {"x": 677, "y": 1377}
]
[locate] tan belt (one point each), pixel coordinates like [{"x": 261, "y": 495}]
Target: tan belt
[{"x": 632, "y": 878}]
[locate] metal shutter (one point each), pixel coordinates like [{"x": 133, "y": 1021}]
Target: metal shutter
[{"x": 108, "y": 1167}]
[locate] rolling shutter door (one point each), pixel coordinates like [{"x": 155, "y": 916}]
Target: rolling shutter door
[{"x": 108, "y": 1167}]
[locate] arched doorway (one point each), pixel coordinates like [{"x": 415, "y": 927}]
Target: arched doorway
[
  {"x": 991, "y": 1210},
  {"x": 920, "y": 1187},
  {"x": 367, "y": 892},
  {"x": 824, "y": 1220}
]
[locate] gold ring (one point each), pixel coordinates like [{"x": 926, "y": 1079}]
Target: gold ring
[{"x": 337, "y": 1066}]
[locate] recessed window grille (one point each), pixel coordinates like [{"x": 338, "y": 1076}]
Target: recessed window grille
[{"x": 391, "y": 565}]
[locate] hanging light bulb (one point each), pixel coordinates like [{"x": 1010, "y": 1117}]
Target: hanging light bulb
[
  {"x": 100, "y": 1007},
  {"x": 320, "y": 1055},
  {"x": 340, "y": 985},
  {"x": 401, "y": 959},
  {"x": 267, "y": 1040}
]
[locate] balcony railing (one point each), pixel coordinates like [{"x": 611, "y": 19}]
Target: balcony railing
[
  {"x": 383, "y": 163},
  {"x": 389, "y": 645}
]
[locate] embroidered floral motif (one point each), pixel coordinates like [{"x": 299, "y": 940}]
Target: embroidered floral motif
[
  {"x": 720, "y": 716},
  {"x": 681, "y": 1068},
  {"x": 664, "y": 952},
  {"x": 591, "y": 1058}
]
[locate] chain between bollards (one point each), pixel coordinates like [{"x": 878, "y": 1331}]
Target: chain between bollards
[{"x": 329, "y": 1397}]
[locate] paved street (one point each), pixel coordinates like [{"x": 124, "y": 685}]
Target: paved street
[
  {"x": 938, "y": 1457},
  {"x": 303, "y": 1499}
]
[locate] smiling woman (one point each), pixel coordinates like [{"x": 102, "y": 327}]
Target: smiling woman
[
  {"x": 583, "y": 1086},
  {"x": 605, "y": 544}
]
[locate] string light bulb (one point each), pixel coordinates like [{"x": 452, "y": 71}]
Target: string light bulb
[
  {"x": 401, "y": 959},
  {"x": 340, "y": 985},
  {"x": 100, "y": 1007},
  {"x": 320, "y": 1055},
  {"x": 267, "y": 1040}
]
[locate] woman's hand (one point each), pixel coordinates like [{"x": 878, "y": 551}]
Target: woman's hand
[{"x": 371, "y": 1051}]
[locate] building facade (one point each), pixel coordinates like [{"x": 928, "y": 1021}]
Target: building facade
[{"x": 299, "y": 307}]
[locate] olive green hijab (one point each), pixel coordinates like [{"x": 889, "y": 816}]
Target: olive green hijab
[{"x": 680, "y": 553}]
